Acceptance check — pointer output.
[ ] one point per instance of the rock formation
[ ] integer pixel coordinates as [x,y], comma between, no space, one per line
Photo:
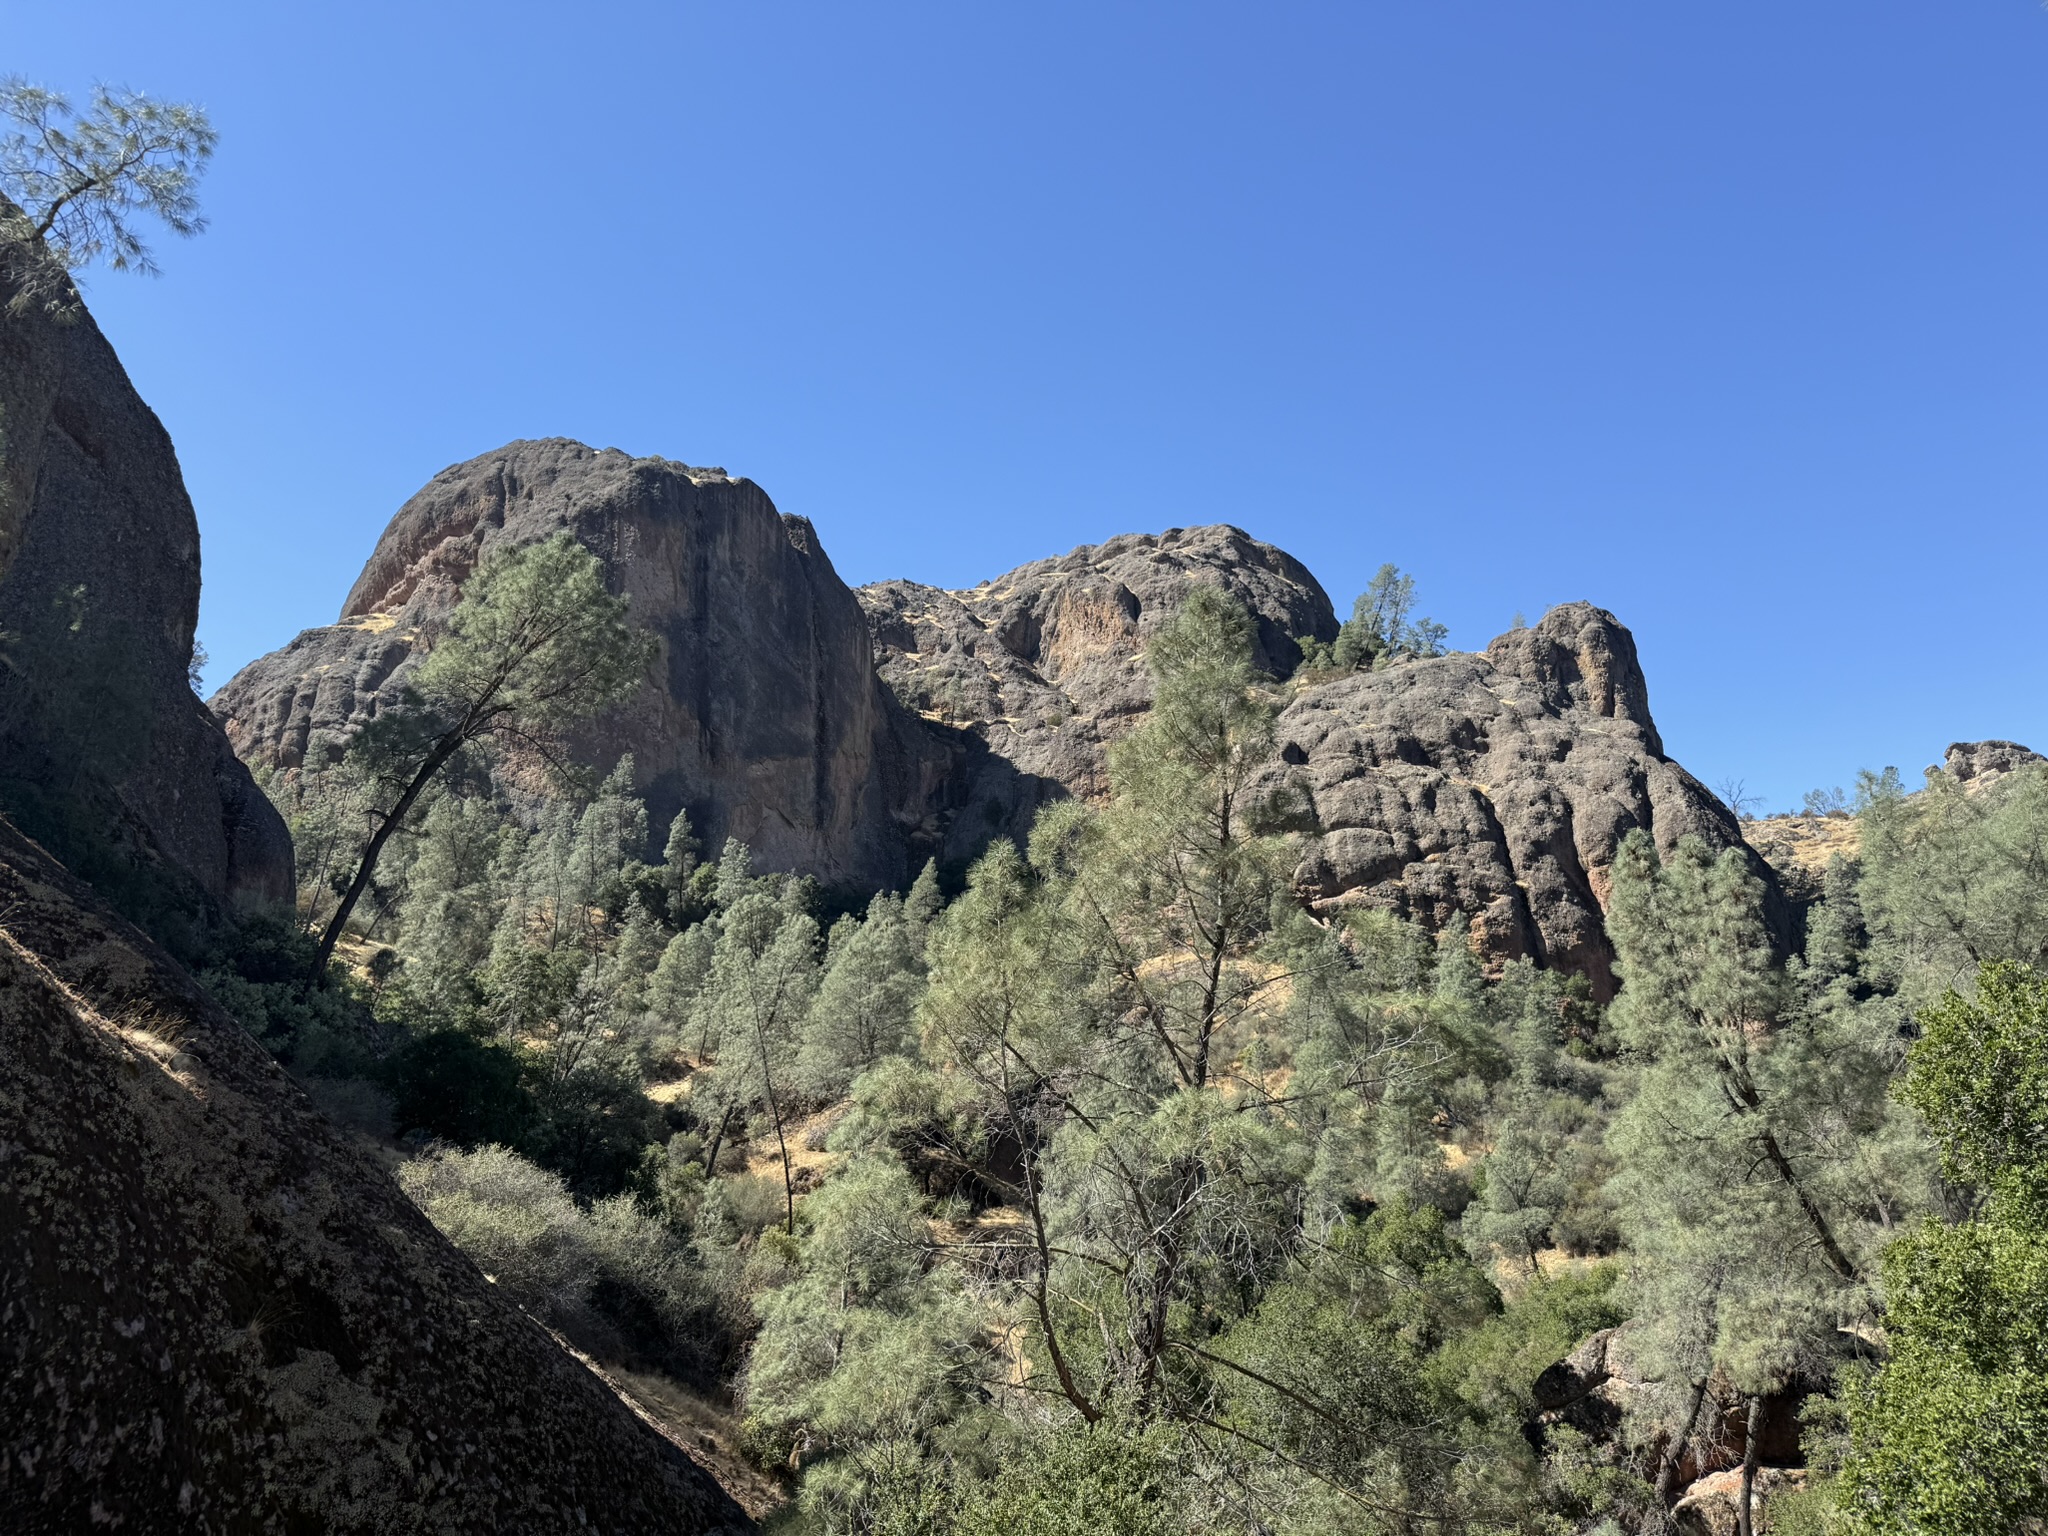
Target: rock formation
[1025,680]
[762,716]
[1493,789]
[1490,790]
[105,753]
[1977,765]
[216,1314]
[1487,790]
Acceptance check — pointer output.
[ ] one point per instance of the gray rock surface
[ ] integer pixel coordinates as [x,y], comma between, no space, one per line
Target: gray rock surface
[216,1314]
[1979,764]
[1493,789]
[762,715]
[1027,679]
[105,753]
[1486,790]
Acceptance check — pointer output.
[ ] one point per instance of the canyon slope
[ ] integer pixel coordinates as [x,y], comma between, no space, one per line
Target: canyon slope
[219,1313]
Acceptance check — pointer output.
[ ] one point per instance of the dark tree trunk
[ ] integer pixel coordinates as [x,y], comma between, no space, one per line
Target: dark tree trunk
[1745,1510]
[443,749]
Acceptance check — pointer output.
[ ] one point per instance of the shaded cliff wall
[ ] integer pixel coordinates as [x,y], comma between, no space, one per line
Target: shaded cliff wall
[105,753]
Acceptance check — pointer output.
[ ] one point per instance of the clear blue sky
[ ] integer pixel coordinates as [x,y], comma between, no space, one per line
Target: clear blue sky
[1730,318]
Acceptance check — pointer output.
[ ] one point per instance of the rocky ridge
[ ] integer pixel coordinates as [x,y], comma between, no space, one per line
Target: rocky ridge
[105,752]
[1489,790]
[1800,847]
[851,735]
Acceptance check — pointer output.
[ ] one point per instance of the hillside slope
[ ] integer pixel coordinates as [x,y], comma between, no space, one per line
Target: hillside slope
[215,1313]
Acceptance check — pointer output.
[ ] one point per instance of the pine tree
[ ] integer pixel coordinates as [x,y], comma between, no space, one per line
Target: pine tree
[867,1000]
[535,646]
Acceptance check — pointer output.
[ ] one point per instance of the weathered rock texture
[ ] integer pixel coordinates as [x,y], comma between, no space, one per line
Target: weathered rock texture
[1593,1389]
[762,716]
[216,1315]
[1980,764]
[1489,790]
[1028,678]
[1493,789]
[105,753]
[1485,790]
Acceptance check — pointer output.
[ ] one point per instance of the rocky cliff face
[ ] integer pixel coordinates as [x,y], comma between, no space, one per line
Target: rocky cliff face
[1487,790]
[1025,680]
[105,753]
[762,717]
[217,1315]
[1493,789]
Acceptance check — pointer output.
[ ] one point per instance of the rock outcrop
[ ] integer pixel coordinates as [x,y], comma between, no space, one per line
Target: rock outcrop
[762,716]
[1488,790]
[1493,789]
[1980,764]
[105,753]
[216,1314]
[1025,680]
[1484,790]
[1801,847]
[1592,1390]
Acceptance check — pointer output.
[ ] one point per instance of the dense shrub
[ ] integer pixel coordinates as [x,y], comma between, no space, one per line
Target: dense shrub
[618,1282]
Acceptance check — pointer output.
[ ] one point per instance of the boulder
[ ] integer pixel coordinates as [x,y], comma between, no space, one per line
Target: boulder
[762,715]
[1710,1506]
[217,1314]
[1980,764]
[106,754]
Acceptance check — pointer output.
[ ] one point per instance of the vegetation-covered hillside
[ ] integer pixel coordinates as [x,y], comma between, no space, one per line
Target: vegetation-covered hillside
[1120,1193]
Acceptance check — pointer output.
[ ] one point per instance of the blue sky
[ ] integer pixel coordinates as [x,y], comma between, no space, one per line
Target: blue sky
[1731,319]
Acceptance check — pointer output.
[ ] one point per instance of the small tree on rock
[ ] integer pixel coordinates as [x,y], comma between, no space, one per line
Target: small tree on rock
[74,189]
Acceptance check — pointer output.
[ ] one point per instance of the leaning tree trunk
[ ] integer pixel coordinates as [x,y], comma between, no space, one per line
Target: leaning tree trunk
[1745,1509]
[444,749]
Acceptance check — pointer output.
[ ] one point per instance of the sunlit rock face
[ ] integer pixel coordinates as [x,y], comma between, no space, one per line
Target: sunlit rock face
[853,734]
[1491,790]
[762,715]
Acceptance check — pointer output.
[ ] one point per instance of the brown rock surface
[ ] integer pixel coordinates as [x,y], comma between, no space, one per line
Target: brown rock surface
[1709,1507]
[762,716]
[1800,849]
[104,751]
[1028,678]
[1493,789]
[215,1314]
